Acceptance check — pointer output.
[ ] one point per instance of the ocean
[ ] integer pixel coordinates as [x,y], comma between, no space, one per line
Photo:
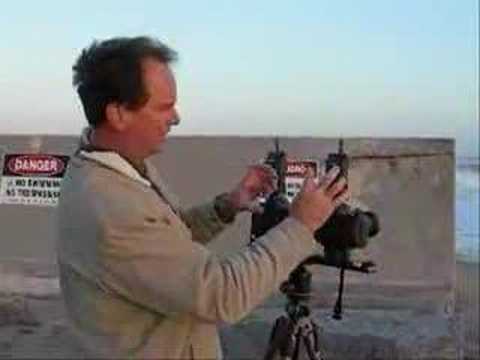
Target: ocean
[467,196]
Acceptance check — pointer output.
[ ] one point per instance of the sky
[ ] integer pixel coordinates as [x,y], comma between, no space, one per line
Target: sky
[372,68]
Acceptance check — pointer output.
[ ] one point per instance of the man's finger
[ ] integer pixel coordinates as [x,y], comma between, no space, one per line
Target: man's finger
[309,183]
[329,178]
[268,189]
[265,172]
[342,197]
[336,188]
[256,207]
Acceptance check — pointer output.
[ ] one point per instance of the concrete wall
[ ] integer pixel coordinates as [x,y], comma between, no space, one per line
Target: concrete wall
[408,182]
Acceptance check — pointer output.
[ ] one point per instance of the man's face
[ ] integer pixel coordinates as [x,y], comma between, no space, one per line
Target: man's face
[150,124]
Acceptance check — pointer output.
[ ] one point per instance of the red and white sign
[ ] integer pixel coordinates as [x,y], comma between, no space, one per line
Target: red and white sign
[297,168]
[295,175]
[28,165]
[32,179]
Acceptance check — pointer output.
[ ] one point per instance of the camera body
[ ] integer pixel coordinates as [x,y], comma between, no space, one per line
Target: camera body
[347,228]
[276,207]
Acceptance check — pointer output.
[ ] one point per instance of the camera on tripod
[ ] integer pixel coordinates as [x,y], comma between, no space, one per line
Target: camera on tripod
[347,229]
[295,335]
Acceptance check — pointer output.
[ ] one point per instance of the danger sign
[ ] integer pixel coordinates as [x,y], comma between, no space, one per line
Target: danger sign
[32,179]
[28,165]
[295,175]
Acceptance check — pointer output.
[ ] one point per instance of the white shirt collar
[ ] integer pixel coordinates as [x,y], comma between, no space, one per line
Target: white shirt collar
[113,160]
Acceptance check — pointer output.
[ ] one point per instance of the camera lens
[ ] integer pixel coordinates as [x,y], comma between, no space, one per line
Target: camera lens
[364,226]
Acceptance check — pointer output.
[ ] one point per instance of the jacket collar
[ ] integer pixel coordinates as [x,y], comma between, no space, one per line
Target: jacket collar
[109,159]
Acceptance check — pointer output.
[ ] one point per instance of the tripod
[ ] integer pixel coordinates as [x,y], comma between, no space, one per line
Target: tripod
[295,335]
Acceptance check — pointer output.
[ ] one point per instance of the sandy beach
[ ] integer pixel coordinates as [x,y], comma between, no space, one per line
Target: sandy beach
[33,322]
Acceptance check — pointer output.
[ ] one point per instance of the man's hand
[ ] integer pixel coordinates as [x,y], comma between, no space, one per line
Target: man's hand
[314,204]
[260,180]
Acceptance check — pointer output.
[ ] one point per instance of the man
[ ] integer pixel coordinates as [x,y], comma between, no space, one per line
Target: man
[135,274]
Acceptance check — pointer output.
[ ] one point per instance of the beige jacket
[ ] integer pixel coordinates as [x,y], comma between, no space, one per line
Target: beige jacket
[138,281]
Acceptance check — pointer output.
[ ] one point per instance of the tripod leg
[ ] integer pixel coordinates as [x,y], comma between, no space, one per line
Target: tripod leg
[312,343]
[337,312]
[309,337]
[319,352]
[282,340]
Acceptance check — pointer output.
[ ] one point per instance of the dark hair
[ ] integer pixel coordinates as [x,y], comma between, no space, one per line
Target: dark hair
[111,71]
